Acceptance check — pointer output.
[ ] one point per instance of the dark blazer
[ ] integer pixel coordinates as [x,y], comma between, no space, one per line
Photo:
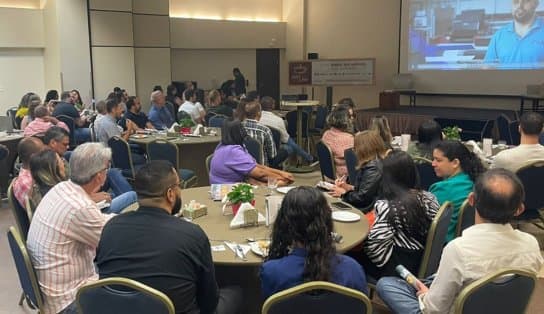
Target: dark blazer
[369,179]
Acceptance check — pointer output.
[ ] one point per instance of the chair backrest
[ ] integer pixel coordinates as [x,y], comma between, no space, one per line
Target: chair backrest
[121,155]
[351,164]
[93,132]
[163,150]
[427,176]
[318,297]
[276,135]
[69,121]
[208,163]
[436,237]
[503,127]
[465,219]
[255,149]
[11,114]
[121,295]
[25,270]
[504,291]
[19,212]
[217,121]
[291,118]
[326,161]
[321,117]
[531,175]
[514,132]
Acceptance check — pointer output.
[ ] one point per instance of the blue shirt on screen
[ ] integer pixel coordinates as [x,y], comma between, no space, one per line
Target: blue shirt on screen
[286,272]
[508,48]
[161,118]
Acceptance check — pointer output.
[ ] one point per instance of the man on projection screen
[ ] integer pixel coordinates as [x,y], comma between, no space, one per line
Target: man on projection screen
[520,43]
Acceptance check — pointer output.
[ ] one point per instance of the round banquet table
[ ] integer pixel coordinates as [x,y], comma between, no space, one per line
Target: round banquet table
[230,270]
[192,150]
[6,165]
[216,226]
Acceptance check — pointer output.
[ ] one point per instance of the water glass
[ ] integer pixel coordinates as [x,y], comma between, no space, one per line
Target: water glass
[272,184]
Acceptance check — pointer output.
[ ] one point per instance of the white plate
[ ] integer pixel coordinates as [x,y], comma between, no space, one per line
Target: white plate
[139,136]
[255,248]
[345,216]
[285,189]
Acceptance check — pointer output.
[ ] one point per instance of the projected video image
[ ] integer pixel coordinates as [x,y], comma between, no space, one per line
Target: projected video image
[475,34]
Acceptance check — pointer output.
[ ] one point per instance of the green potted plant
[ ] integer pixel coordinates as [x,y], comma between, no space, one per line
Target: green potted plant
[242,193]
[185,125]
[452,133]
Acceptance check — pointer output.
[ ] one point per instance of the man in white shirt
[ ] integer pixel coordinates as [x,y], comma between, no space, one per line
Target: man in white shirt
[272,121]
[66,228]
[189,107]
[530,127]
[488,246]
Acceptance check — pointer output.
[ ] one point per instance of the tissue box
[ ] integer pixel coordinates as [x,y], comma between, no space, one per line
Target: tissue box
[194,213]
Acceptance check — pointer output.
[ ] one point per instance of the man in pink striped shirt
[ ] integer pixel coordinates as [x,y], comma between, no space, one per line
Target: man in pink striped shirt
[66,228]
[42,122]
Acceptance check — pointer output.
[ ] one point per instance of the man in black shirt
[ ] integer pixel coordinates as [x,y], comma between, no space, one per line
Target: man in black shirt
[134,113]
[167,253]
[65,107]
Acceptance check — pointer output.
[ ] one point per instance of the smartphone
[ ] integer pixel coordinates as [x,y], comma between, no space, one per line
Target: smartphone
[341,206]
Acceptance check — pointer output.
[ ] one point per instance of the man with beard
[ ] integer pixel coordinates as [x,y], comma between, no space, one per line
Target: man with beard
[167,253]
[134,113]
[520,43]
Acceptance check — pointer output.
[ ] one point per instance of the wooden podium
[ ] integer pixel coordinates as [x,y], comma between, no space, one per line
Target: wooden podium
[389,100]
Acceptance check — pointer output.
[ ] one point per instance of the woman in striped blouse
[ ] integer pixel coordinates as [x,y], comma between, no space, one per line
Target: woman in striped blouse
[403,217]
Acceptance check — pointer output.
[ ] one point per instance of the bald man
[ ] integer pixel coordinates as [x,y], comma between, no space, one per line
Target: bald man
[159,115]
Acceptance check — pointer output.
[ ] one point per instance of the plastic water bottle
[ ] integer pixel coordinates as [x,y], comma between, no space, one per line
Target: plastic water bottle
[406,275]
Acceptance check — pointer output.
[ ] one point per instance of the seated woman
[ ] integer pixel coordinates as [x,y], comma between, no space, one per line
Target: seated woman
[47,169]
[302,248]
[31,113]
[403,216]
[459,168]
[42,122]
[338,138]
[231,163]
[370,149]
[429,134]
[380,124]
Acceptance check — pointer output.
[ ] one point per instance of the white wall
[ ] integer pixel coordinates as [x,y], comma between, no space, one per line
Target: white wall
[251,10]
[22,72]
[210,67]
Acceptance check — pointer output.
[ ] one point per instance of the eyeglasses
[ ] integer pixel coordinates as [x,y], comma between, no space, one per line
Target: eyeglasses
[178,184]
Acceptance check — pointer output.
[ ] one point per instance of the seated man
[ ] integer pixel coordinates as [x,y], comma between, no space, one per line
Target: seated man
[488,246]
[170,254]
[217,106]
[159,115]
[42,122]
[261,133]
[65,107]
[271,120]
[66,228]
[530,126]
[134,113]
[22,185]
[189,106]
[107,128]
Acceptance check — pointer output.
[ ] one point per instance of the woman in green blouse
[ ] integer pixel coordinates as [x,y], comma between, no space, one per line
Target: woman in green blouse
[459,169]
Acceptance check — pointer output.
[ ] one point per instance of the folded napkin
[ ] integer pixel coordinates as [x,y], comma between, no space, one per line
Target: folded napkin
[238,220]
[172,129]
[198,129]
[245,248]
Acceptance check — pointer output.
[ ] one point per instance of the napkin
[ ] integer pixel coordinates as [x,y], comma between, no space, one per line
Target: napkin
[172,129]
[272,205]
[238,220]
[477,150]
[198,129]
[232,246]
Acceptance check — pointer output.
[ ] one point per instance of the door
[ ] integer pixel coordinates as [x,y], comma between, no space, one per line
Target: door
[268,73]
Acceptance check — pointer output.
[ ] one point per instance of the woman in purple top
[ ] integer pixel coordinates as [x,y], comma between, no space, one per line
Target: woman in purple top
[231,163]
[302,247]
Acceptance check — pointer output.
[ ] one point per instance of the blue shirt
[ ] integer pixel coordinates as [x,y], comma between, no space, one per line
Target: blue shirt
[161,118]
[508,48]
[286,272]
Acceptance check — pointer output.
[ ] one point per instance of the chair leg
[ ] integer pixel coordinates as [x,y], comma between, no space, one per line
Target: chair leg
[21,299]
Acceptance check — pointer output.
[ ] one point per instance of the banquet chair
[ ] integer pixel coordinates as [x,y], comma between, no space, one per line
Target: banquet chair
[320,120]
[465,219]
[351,164]
[436,237]
[505,291]
[208,164]
[11,113]
[19,212]
[427,176]
[291,118]
[317,297]
[160,149]
[122,157]
[217,121]
[25,270]
[121,295]
[504,128]
[531,175]
[326,161]
[276,136]
[255,149]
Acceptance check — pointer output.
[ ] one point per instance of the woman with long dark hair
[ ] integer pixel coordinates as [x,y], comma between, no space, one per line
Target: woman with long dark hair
[47,169]
[76,99]
[302,248]
[403,217]
[459,168]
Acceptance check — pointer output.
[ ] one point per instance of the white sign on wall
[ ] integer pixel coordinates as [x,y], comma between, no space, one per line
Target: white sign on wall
[343,72]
